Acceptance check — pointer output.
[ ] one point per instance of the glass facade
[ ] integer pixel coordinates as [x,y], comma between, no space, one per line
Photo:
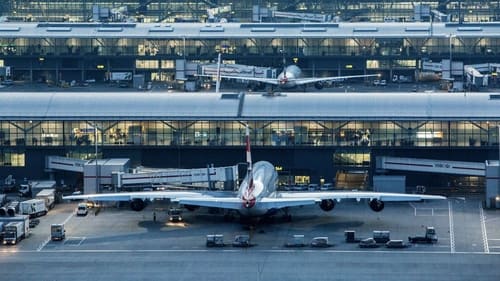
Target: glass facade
[187,10]
[79,59]
[352,138]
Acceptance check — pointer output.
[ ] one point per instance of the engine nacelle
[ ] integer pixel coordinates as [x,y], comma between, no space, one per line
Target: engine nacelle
[137,204]
[3,211]
[319,85]
[327,205]
[11,211]
[191,208]
[376,205]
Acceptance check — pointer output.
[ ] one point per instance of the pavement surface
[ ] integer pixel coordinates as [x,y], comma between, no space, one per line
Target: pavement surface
[120,244]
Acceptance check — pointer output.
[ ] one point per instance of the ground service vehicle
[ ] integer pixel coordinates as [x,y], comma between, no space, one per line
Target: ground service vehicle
[430,236]
[82,209]
[14,232]
[320,242]
[381,236]
[33,208]
[350,236]
[241,241]
[31,188]
[48,195]
[368,243]
[297,240]
[396,244]
[175,215]
[57,232]
[215,240]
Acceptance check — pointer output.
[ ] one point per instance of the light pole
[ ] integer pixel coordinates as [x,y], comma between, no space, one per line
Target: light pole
[450,37]
[95,159]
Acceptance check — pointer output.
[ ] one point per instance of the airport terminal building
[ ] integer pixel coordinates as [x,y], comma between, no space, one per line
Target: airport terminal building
[309,137]
[52,52]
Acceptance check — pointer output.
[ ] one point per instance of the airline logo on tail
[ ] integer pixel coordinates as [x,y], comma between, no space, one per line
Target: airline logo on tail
[248,197]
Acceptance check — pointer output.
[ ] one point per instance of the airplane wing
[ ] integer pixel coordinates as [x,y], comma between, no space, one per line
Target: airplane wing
[218,199]
[358,195]
[302,81]
[272,81]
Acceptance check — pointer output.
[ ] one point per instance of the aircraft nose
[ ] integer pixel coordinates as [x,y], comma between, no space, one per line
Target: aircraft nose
[248,203]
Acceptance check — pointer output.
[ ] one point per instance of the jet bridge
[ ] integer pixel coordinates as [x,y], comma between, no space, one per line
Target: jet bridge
[431,166]
[113,172]
[176,176]
[65,164]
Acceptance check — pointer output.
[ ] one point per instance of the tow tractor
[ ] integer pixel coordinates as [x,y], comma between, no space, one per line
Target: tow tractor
[175,215]
[430,236]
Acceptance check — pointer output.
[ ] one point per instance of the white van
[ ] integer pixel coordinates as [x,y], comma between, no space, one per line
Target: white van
[82,209]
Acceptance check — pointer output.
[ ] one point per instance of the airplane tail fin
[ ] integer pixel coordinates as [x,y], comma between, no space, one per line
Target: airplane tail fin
[249,154]
[217,83]
[284,66]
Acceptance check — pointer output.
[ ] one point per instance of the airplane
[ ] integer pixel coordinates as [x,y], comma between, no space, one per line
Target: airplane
[289,78]
[257,195]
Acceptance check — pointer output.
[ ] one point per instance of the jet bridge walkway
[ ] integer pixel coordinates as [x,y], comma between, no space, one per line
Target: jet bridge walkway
[114,171]
[431,166]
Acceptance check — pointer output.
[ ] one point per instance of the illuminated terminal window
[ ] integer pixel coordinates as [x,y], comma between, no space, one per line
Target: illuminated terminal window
[351,158]
[12,158]
[146,64]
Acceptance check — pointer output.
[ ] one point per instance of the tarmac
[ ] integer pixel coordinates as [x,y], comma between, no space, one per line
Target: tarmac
[121,244]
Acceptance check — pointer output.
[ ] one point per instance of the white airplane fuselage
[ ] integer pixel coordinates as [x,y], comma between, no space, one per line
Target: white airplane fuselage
[264,184]
[288,75]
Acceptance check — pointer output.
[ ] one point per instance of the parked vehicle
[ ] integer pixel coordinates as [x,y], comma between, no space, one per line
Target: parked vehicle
[82,209]
[31,188]
[14,232]
[320,242]
[242,241]
[33,208]
[429,237]
[297,240]
[57,232]
[350,236]
[215,240]
[175,215]
[396,244]
[381,236]
[49,196]
[368,243]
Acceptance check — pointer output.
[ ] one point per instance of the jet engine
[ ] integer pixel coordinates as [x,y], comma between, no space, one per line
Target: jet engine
[137,204]
[3,211]
[319,85]
[191,208]
[376,205]
[327,205]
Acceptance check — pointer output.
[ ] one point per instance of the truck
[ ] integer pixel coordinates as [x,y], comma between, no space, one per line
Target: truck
[57,232]
[31,188]
[215,240]
[430,236]
[175,215]
[33,207]
[14,232]
[49,196]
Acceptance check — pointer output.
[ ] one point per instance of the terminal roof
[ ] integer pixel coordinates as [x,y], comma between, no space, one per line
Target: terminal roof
[247,30]
[211,106]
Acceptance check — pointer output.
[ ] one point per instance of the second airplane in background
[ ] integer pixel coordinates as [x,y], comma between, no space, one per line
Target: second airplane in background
[292,77]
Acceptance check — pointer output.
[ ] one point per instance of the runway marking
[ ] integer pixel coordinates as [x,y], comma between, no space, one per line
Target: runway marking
[433,213]
[72,241]
[483,228]
[452,233]
[247,250]
[44,243]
